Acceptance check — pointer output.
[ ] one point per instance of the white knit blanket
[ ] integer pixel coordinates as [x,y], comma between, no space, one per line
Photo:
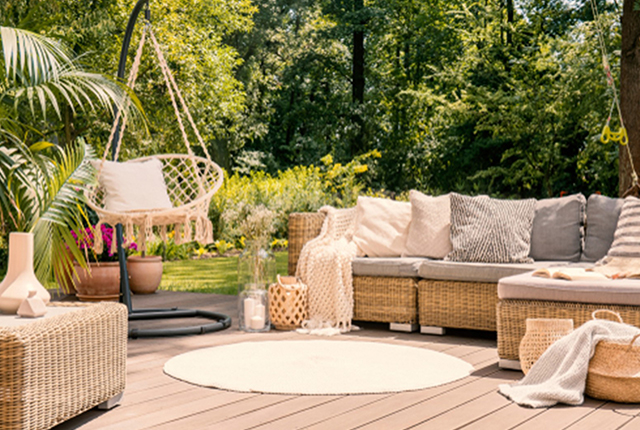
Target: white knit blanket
[560,374]
[325,267]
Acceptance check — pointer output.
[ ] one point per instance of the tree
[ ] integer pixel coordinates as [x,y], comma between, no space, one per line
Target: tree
[630,92]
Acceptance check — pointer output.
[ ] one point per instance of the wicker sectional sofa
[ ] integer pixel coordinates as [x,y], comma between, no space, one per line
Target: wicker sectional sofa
[431,294]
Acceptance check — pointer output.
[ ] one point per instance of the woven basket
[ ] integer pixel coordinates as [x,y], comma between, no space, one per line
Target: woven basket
[614,370]
[541,334]
[287,303]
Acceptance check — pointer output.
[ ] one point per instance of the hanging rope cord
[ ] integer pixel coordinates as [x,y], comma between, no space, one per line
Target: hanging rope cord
[173,90]
[191,180]
[620,136]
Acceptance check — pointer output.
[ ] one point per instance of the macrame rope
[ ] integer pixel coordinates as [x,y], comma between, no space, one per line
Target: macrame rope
[131,81]
[172,83]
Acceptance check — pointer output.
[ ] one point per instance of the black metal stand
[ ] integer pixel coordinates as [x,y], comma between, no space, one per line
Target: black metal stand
[222,321]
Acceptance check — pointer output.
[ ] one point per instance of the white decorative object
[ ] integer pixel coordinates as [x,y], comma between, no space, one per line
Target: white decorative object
[133,186]
[257,322]
[253,314]
[20,277]
[429,231]
[249,307]
[382,227]
[32,306]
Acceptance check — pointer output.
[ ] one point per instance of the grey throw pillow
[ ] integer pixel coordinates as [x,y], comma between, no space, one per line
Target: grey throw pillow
[490,230]
[602,218]
[556,233]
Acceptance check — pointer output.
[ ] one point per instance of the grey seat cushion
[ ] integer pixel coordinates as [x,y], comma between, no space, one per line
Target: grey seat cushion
[557,225]
[396,267]
[527,287]
[477,272]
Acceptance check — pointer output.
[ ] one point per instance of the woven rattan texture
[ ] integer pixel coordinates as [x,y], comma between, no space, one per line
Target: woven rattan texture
[512,315]
[287,306]
[541,333]
[613,372]
[56,368]
[302,228]
[470,305]
[385,299]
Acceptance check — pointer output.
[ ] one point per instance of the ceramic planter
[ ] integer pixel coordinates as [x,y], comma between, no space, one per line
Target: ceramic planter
[145,273]
[100,283]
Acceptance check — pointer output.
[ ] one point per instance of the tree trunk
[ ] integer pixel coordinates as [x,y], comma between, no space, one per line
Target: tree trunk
[630,92]
[510,18]
[357,79]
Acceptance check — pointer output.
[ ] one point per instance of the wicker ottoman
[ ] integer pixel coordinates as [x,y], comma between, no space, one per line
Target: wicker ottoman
[56,367]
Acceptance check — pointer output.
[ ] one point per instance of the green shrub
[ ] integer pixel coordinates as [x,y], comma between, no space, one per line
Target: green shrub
[299,189]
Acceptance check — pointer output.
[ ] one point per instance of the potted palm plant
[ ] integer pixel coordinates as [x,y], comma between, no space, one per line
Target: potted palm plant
[42,183]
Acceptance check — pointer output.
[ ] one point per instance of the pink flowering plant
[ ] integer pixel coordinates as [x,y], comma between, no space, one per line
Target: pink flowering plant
[85,240]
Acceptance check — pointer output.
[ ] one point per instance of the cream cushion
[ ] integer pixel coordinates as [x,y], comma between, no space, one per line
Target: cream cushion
[382,226]
[135,186]
[429,231]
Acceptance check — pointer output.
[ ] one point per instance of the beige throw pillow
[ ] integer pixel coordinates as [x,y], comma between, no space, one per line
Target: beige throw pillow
[429,231]
[133,186]
[382,226]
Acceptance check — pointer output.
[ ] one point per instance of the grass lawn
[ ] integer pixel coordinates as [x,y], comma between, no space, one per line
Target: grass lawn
[213,275]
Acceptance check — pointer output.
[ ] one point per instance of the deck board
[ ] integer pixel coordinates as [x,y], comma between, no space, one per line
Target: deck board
[153,400]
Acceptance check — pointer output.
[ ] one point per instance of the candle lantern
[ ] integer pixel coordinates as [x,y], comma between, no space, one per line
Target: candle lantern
[256,271]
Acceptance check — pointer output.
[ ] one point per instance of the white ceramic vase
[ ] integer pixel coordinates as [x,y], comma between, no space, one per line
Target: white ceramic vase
[20,278]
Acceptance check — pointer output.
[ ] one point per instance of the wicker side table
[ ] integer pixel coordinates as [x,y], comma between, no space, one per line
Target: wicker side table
[54,368]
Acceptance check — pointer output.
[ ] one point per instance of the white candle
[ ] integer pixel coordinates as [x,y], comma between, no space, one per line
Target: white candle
[249,310]
[257,322]
[259,310]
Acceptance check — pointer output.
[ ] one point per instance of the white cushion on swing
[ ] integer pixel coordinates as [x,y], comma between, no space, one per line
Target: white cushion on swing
[134,186]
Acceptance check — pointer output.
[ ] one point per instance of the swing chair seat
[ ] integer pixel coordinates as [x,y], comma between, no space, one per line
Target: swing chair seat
[190,181]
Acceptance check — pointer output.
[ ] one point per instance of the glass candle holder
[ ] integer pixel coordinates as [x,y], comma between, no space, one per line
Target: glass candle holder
[256,271]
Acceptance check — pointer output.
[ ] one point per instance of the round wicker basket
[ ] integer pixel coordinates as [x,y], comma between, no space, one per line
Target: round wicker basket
[614,370]
[541,334]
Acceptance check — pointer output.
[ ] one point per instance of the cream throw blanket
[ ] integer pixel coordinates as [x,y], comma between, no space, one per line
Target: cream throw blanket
[560,375]
[325,267]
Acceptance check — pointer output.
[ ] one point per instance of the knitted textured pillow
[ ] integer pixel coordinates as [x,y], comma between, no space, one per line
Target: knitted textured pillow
[626,240]
[429,229]
[489,230]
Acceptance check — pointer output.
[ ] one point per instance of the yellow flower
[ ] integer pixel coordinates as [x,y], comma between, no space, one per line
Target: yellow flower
[361,168]
[327,159]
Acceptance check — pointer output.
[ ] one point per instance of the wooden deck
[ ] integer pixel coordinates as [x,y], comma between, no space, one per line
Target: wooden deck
[154,400]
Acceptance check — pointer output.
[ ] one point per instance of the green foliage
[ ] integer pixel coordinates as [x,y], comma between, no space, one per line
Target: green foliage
[170,251]
[299,189]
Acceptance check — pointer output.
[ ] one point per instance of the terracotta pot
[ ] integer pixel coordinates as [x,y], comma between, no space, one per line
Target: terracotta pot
[145,273]
[101,284]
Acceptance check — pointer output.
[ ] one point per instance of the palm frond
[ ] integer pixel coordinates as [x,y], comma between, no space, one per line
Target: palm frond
[28,57]
[66,176]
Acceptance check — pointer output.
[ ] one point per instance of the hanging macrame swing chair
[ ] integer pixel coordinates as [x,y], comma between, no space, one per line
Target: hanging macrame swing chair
[190,181]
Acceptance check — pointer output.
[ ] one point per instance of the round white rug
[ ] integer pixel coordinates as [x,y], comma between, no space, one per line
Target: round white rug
[316,367]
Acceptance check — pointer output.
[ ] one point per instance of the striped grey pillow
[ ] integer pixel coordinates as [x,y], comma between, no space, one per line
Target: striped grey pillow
[489,230]
[626,240]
